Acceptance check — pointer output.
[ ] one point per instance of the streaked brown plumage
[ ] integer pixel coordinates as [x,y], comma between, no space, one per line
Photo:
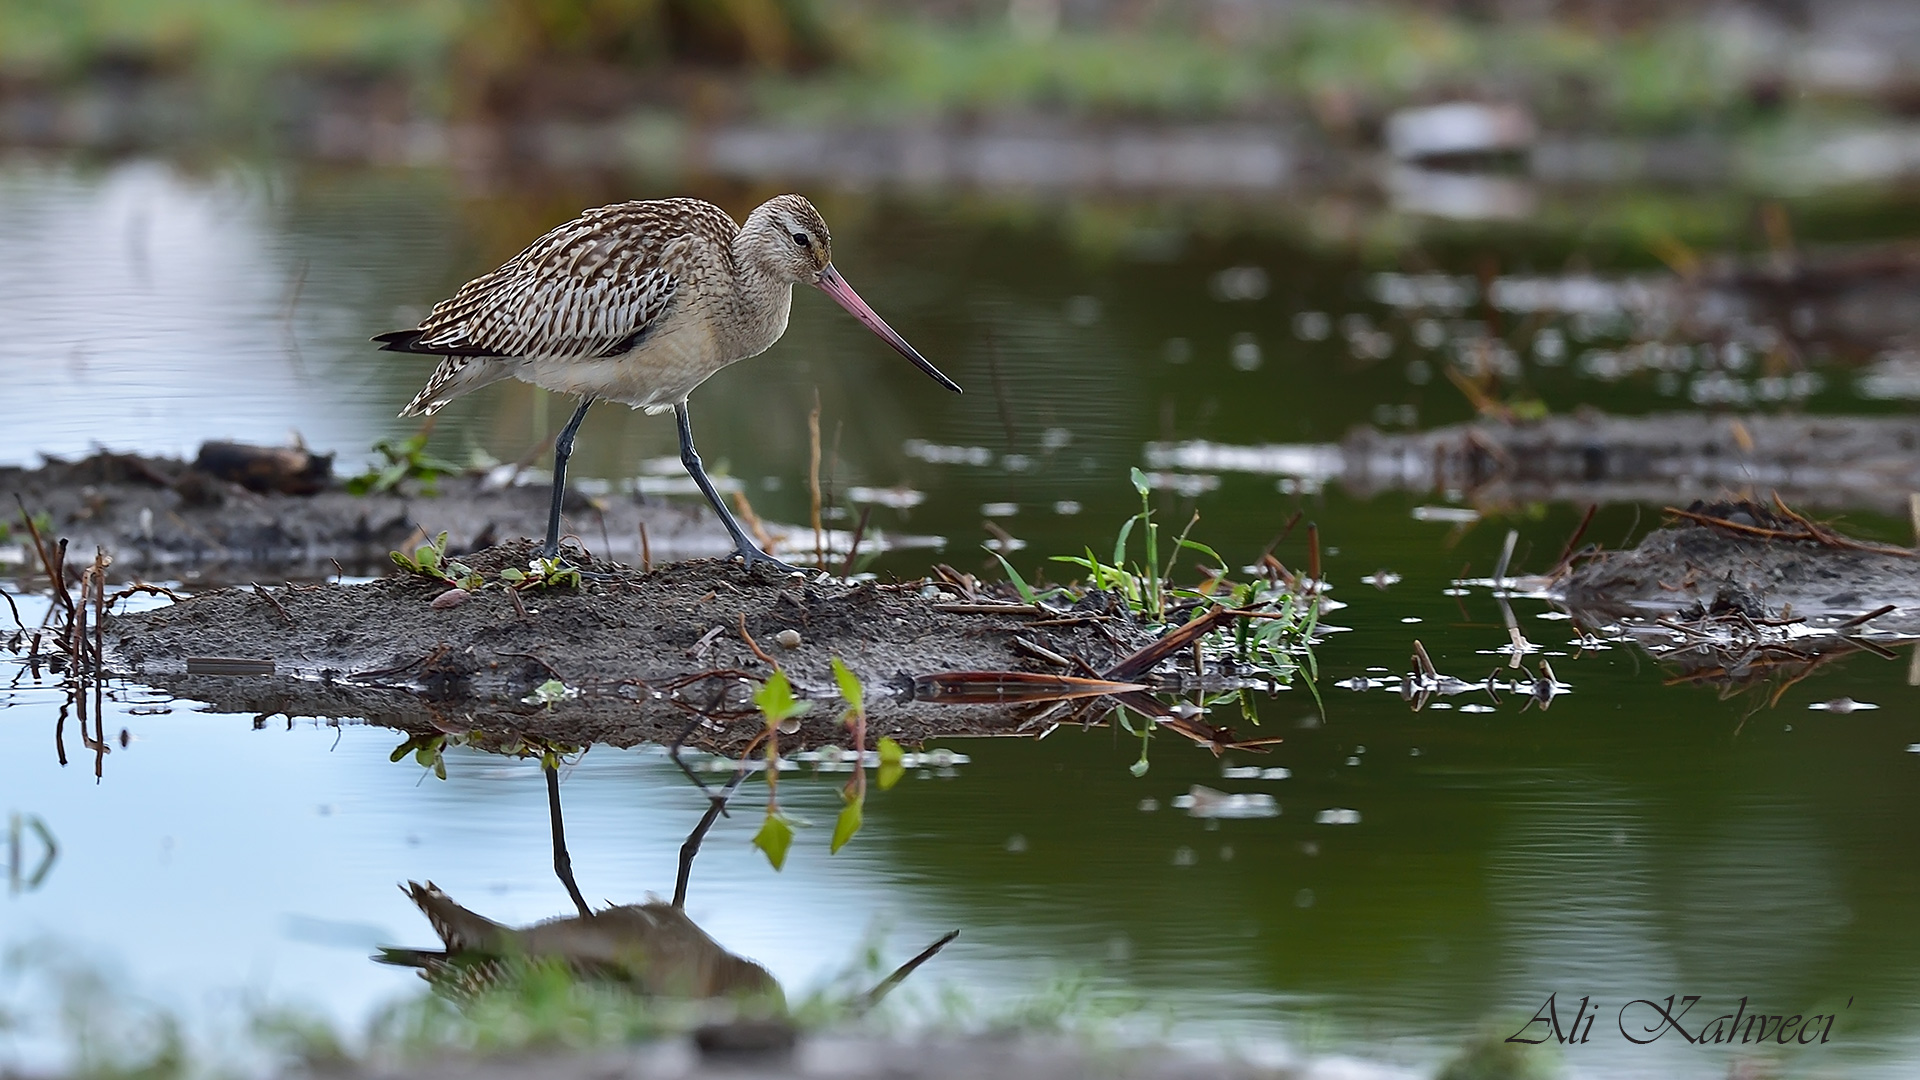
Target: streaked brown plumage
[638,302]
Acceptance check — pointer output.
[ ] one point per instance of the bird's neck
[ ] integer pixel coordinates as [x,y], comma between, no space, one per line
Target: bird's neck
[763,295]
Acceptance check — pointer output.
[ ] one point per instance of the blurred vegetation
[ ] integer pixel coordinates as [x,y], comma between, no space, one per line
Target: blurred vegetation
[63,40]
[1341,65]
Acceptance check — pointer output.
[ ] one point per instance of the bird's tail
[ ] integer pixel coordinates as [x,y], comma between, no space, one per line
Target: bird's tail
[458,928]
[456,375]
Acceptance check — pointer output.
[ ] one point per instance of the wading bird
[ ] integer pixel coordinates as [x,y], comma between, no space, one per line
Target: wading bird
[637,302]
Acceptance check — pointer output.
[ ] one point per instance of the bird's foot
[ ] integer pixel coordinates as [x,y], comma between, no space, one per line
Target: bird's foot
[753,558]
[561,563]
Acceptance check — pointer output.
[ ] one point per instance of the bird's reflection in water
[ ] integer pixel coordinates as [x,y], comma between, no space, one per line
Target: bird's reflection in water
[652,949]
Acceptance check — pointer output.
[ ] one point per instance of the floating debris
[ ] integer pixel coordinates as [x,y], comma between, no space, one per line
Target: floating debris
[1254,772]
[1205,802]
[936,454]
[897,498]
[1842,705]
[1338,815]
[1461,515]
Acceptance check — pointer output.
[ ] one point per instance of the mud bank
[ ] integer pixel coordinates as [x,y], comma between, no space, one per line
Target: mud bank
[1762,563]
[157,514]
[1587,457]
[1868,462]
[644,657]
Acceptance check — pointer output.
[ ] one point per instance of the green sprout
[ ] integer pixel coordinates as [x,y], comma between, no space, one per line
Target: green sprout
[404,461]
[551,693]
[777,704]
[428,753]
[854,795]
[1146,589]
[426,559]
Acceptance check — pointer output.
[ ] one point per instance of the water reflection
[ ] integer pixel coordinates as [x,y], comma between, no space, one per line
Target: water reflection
[652,948]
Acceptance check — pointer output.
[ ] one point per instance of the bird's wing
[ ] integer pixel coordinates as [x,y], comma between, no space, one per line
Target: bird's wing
[590,288]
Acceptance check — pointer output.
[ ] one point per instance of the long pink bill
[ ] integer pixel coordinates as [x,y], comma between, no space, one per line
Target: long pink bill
[836,286]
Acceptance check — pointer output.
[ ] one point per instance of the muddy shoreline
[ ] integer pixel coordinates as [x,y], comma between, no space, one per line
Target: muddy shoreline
[644,656]
[163,516]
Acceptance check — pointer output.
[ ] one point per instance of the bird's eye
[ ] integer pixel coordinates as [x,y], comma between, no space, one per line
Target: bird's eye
[800,239]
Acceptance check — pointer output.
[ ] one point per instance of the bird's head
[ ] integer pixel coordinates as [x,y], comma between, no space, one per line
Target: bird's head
[789,235]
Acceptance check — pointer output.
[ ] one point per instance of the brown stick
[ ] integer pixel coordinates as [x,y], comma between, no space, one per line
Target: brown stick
[1815,534]
[813,477]
[1566,553]
[268,597]
[754,645]
[859,532]
[745,509]
[1313,554]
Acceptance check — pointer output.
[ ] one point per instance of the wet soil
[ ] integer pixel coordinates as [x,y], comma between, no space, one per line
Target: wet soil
[648,656]
[163,515]
[1694,571]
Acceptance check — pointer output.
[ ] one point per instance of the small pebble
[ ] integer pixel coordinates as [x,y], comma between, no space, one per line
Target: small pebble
[1841,705]
[452,598]
[788,639]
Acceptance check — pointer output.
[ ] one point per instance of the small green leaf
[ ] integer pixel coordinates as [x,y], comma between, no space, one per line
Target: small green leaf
[512,576]
[1120,542]
[549,693]
[1019,583]
[400,751]
[851,689]
[440,767]
[776,701]
[1202,549]
[423,757]
[891,763]
[847,824]
[402,560]
[1138,768]
[1140,483]
[427,558]
[774,838]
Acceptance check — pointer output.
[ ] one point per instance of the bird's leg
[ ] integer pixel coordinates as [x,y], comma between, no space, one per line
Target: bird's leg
[562,862]
[562,450]
[716,806]
[743,544]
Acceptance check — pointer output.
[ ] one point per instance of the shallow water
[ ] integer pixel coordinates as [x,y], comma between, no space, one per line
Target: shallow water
[1635,840]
